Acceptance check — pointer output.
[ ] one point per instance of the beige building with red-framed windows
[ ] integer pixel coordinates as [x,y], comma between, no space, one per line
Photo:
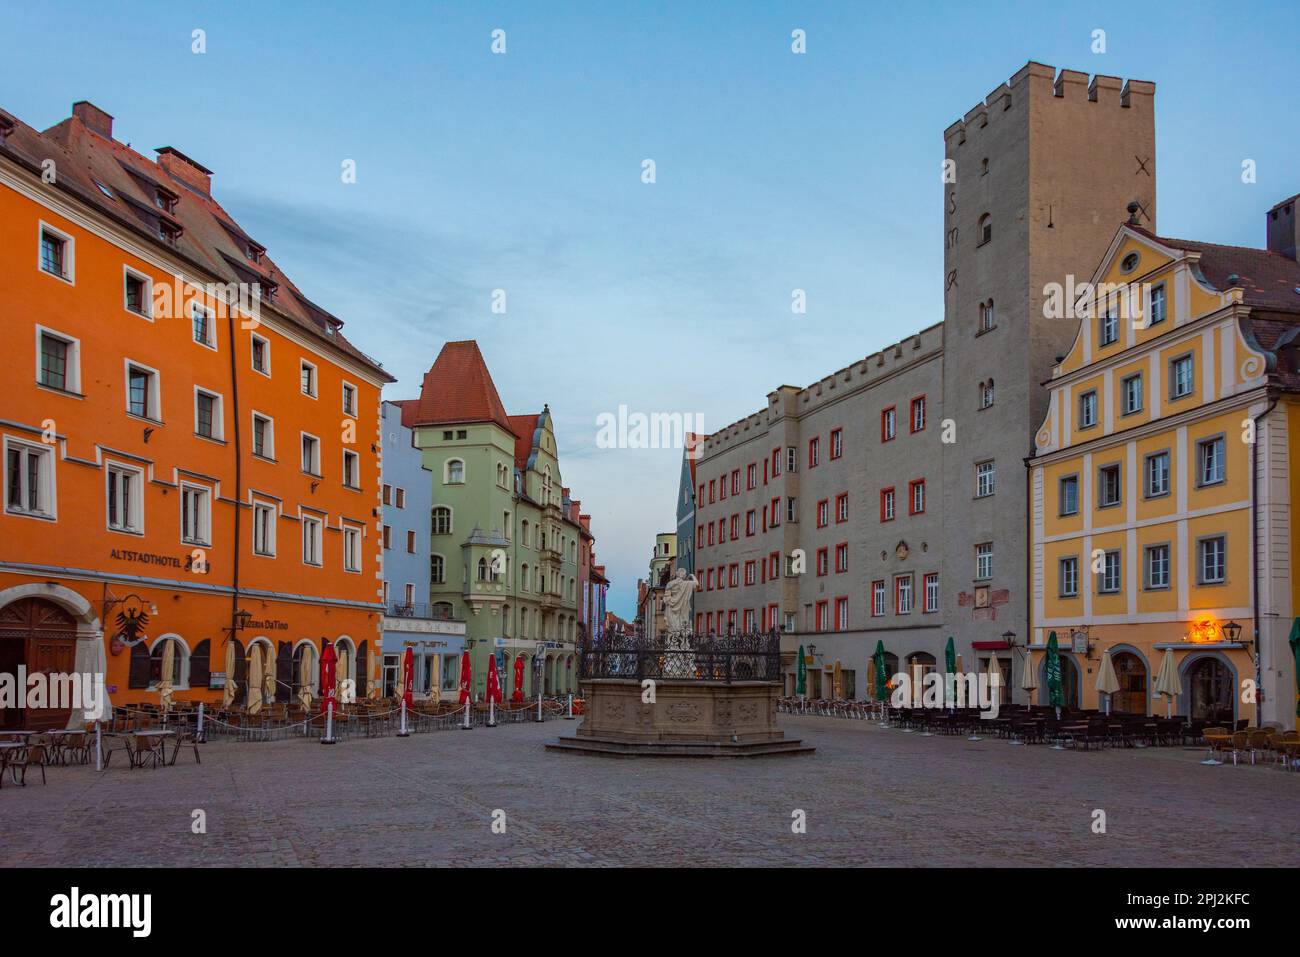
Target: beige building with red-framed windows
[191,445]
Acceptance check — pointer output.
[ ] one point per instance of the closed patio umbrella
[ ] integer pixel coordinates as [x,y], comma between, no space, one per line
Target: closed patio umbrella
[1167,682]
[165,685]
[801,675]
[328,688]
[408,678]
[994,678]
[466,676]
[304,678]
[268,677]
[435,679]
[343,669]
[1029,680]
[228,693]
[97,666]
[882,679]
[1055,692]
[1107,682]
[950,671]
[519,679]
[255,679]
[1294,641]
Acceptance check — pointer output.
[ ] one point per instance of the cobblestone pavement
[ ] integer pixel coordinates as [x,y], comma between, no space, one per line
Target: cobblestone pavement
[871,796]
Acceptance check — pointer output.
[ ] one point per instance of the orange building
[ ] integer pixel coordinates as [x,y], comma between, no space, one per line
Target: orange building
[191,446]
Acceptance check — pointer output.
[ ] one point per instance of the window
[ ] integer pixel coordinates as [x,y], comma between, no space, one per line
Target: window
[201,321]
[985,479]
[733,576]
[984,561]
[1069,493]
[1132,387]
[349,399]
[1159,305]
[58,361]
[751,522]
[842,557]
[877,599]
[776,470]
[1181,372]
[29,479]
[814,452]
[1157,566]
[352,549]
[1069,576]
[713,490]
[142,392]
[841,614]
[263,529]
[985,232]
[1108,485]
[791,509]
[1109,328]
[823,562]
[307,378]
[774,514]
[735,519]
[437,569]
[837,443]
[263,436]
[1212,556]
[196,515]
[735,480]
[125,499]
[208,420]
[931,592]
[823,513]
[918,413]
[987,316]
[1157,474]
[386,536]
[351,469]
[1210,465]
[410,541]
[1108,583]
[311,543]
[986,394]
[310,454]
[823,616]
[442,521]
[751,572]
[137,292]
[842,507]
[751,479]
[1088,410]
[916,496]
[903,594]
[56,253]
[887,505]
[888,424]
[261,350]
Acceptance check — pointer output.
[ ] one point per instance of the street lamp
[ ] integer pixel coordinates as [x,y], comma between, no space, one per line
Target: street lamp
[1231,632]
[1009,637]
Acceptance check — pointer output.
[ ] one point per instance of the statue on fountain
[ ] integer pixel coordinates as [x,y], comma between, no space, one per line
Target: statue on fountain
[677,616]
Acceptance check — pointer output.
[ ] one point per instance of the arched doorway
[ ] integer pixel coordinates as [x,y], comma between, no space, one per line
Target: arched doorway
[305,671]
[1132,696]
[43,637]
[1210,683]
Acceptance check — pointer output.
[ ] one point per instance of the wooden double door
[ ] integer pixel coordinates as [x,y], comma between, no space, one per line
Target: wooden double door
[43,637]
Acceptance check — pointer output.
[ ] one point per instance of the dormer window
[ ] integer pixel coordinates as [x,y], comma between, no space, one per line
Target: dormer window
[169,233]
[165,199]
[255,252]
[102,188]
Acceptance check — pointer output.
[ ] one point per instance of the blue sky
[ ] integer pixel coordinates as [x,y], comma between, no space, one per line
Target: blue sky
[523,172]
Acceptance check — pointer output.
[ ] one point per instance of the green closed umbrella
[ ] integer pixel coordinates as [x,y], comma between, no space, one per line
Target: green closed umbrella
[881,678]
[801,675]
[950,667]
[1055,693]
[1295,650]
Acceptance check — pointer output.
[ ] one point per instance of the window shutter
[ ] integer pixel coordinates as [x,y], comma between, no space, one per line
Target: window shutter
[138,676]
[200,666]
[283,672]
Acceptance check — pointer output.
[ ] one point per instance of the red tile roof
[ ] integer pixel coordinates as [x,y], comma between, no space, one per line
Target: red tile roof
[1268,279]
[525,428]
[210,240]
[457,389]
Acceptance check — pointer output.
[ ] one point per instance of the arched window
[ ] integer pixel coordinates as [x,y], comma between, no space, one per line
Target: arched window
[482,569]
[1132,697]
[524,534]
[180,654]
[442,520]
[524,581]
[1210,683]
[437,569]
[985,232]
[987,316]
[443,610]
[986,394]
[455,472]
[201,664]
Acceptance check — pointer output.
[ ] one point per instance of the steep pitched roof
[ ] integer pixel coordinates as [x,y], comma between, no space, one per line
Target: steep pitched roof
[1268,279]
[121,184]
[525,429]
[457,389]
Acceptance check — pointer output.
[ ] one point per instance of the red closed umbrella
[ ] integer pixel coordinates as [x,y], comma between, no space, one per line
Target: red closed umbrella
[493,682]
[519,679]
[466,673]
[408,678]
[329,693]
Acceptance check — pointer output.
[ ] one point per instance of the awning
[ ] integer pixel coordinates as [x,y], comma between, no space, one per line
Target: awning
[990,645]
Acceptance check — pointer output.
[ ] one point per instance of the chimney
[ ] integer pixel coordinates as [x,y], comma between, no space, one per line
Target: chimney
[95,119]
[185,169]
[1282,231]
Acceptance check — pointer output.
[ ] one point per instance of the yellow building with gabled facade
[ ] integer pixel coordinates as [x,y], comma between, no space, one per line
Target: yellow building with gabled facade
[1161,483]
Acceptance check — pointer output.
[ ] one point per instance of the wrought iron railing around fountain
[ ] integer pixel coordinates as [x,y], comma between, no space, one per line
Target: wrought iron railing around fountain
[747,656]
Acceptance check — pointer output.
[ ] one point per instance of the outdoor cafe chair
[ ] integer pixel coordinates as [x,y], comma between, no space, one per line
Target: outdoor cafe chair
[35,755]
[1240,744]
[145,748]
[185,738]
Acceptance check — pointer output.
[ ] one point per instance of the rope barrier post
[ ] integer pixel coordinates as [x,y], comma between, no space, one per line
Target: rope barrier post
[492,713]
[569,716]
[465,726]
[99,749]
[198,731]
[329,723]
[403,733]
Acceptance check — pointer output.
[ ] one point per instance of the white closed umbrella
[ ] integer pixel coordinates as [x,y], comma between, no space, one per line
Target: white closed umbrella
[254,679]
[341,669]
[97,666]
[268,677]
[1107,682]
[228,693]
[1029,680]
[305,671]
[1167,682]
[165,685]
